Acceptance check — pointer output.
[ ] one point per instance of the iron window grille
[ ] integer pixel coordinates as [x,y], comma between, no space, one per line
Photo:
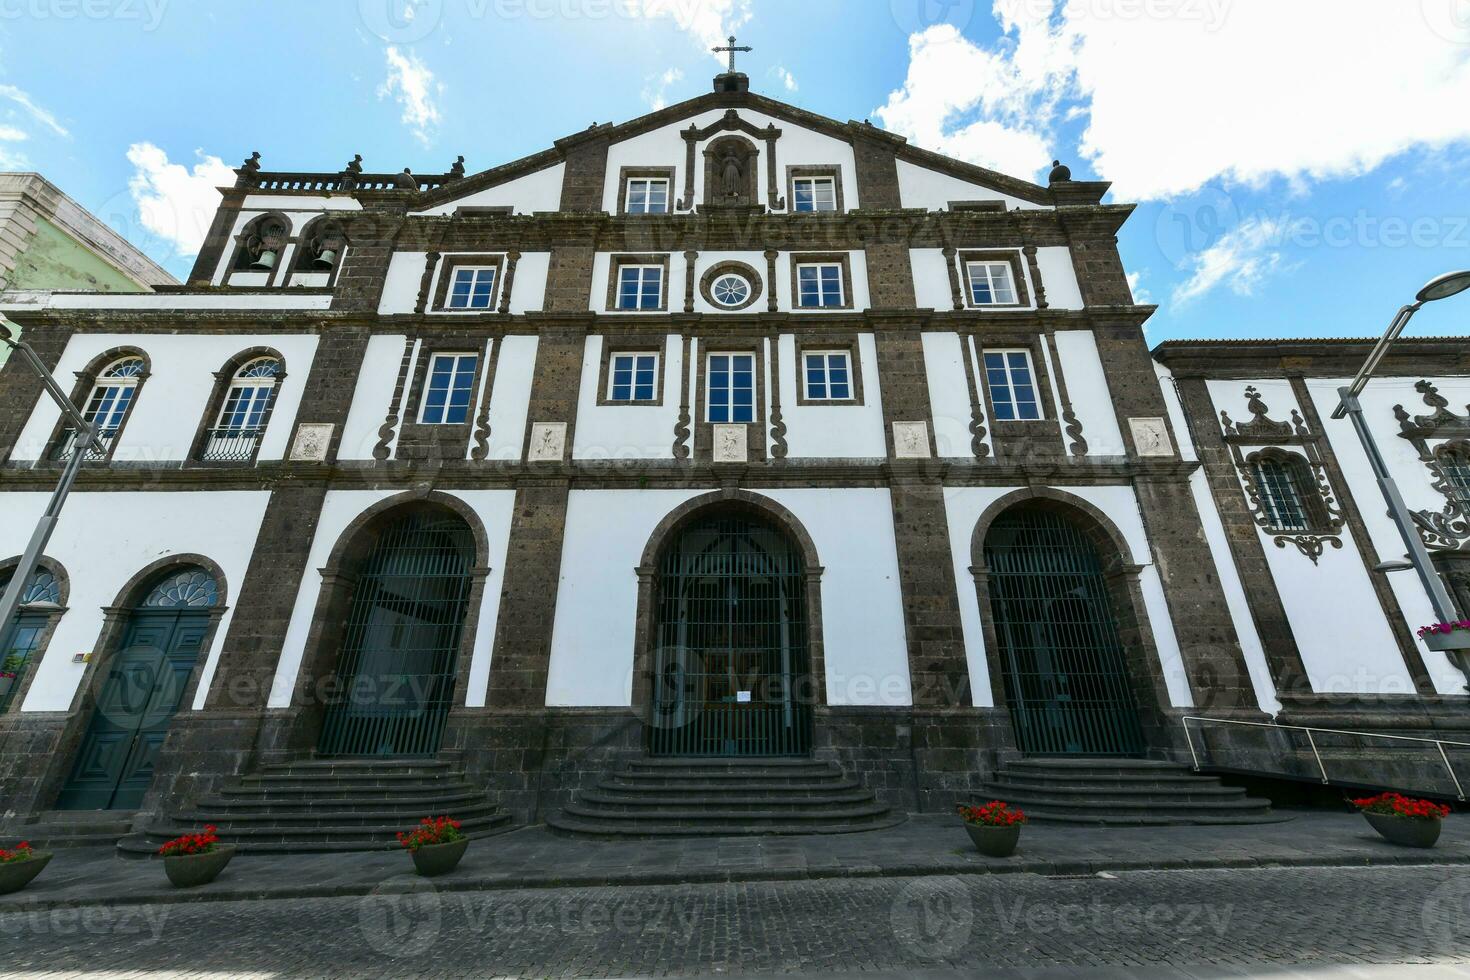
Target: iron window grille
[731,388]
[448,389]
[1455,465]
[640,287]
[991,283]
[1279,485]
[1012,385]
[827,375]
[633,377]
[819,285]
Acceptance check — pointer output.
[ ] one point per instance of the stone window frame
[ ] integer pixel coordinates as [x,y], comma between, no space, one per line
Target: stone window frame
[841,259]
[843,343]
[1010,437]
[224,380]
[625,174]
[429,358]
[1012,258]
[1303,482]
[1037,379]
[610,349]
[728,343]
[439,440]
[81,396]
[833,171]
[727,267]
[445,277]
[620,261]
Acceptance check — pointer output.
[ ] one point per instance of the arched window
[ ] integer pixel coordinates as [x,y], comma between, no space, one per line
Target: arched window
[1454,463]
[261,244]
[20,640]
[1282,492]
[107,405]
[244,411]
[320,251]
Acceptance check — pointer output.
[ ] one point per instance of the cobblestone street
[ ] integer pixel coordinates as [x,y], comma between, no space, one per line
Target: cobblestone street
[1225,919]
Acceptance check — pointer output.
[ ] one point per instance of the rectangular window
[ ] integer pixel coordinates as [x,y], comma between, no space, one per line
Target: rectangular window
[640,287]
[471,288]
[1280,495]
[731,388]
[647,195]
[991,283]
[633,378]
[448,388]
[1009,377]
[814,194]
[827,375]
[819,285]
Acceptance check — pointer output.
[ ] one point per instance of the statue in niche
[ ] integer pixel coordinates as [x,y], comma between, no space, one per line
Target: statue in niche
[732,178]
[729,173]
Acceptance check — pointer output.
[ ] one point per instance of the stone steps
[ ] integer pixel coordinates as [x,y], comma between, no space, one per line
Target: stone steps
[330,805]
[723,797]
[1123,792]
[70,828]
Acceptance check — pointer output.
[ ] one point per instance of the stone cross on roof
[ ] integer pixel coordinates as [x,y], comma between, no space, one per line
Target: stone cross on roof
[732,49]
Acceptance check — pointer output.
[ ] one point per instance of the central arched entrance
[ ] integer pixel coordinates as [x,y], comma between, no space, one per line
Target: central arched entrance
[731,661]
[1065,674]
[400,642]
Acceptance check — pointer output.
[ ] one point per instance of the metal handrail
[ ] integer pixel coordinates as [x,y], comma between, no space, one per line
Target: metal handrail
[1438,743]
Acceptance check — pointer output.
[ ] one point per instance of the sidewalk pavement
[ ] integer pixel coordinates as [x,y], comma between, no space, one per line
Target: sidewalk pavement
[927,844]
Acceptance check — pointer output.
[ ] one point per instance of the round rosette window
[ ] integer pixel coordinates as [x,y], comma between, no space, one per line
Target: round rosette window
[730,289]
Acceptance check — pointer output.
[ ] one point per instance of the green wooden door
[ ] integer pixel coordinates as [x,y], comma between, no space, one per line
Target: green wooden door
[144,685]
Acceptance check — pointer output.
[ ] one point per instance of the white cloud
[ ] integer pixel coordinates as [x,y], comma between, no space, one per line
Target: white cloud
[412,85]
[175,203]
[655,93]
[1136,287]
[1177,93]
[787,80]
[37,113]
[1244,257]
[707,22]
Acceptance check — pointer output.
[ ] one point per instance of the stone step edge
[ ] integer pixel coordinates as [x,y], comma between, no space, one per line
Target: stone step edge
[384,832]
[1245,803]
[135,847]
[430,802]
[609,799]
[676,815]
[570,824]
[733,787]
[1065,789]
[344,817]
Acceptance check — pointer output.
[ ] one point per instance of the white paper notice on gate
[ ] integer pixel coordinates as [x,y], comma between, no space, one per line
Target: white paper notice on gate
[742,697]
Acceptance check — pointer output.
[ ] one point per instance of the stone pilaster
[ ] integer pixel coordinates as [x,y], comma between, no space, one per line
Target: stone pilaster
[20,386]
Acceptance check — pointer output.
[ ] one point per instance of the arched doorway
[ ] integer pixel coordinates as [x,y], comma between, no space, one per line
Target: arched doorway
[731,667]
[401,638]
[141,691]
[1064,669]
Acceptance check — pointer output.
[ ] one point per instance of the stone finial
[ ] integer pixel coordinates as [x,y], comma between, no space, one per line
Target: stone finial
[354,166]
[405,181]
[456,169]
[245,176]
[1059,173]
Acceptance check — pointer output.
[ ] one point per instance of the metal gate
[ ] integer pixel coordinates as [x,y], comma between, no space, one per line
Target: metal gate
[1066,681]
[731,676]
[400,644]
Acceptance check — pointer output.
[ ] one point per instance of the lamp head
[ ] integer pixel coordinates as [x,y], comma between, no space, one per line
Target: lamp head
[1442,287]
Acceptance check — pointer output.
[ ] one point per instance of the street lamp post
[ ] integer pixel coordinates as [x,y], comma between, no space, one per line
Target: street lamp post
[86,440]
[1441,288]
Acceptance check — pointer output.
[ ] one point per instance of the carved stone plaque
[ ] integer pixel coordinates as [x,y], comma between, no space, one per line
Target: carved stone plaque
[1151,437]
[911,440]
[730,443]
[311,442]
[548,442]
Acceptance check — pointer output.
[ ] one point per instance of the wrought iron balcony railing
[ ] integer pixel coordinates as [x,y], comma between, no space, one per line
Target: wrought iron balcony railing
[68,441]
[231,445]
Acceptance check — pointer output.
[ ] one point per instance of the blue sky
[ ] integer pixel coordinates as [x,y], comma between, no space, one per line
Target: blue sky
[1299,165]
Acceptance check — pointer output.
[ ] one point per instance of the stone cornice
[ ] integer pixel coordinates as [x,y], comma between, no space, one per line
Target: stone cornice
[1246,359]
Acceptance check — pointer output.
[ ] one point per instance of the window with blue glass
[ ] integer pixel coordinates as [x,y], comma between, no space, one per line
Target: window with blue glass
[828,375]
[21,640]
[814,194]
[633,377]
[448,388]
[640,287]
[472,288]
[1012,385]
[647,195]
[731,395]
[819,284]
[991,284]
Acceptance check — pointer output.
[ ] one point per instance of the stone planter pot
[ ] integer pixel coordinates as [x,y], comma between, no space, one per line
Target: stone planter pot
[996,842]
[17,874]
[192,870]
[438,859]
[1456,640]
[1408,831]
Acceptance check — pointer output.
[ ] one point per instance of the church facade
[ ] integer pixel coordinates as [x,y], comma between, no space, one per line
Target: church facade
[731,431]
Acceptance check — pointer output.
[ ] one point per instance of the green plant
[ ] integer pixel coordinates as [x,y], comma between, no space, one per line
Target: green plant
[431,830]
[20,852]
[993,814]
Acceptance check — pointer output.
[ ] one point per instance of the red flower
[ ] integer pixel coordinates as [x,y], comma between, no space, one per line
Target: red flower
[21,852]
[201,843]
[1394,804]
[435,830]
[993,814]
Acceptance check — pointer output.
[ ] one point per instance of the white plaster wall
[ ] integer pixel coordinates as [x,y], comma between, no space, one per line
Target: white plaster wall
[339,509]
[127,302]
[1059,277]
[949,393]
[963,507]
[370,399]
[1413,480]
[510,399]
[1087,386]
[538,191]
[627,431]
[401,282]
[607,530]
[664,147]
[920,187]
[1175,409]
[785,302]
[931,282]
[406,271]
[838,430]
[104,539]
[707,260]
[167,411]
